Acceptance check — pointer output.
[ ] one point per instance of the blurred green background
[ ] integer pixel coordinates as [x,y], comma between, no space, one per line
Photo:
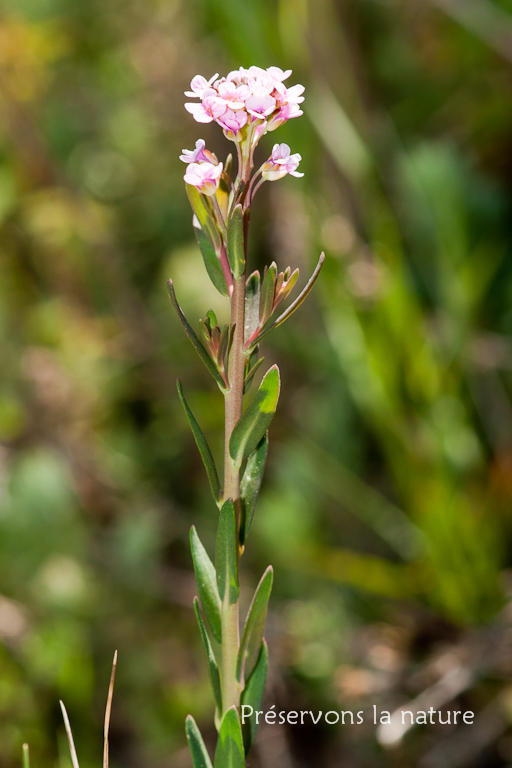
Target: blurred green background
[386,504]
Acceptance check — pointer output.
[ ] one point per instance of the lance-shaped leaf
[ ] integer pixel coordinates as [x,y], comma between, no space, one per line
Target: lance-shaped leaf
[268,288]
[254,627]
[252,304]
[204,448]
[213,668]
[251,370]
[204,216]
[230,748]
[250,486]
[271,324]
[200,757]
[206,584]
[252,696]
[256,419]
[201,351]
[226,553]
[211,260]
[236,251]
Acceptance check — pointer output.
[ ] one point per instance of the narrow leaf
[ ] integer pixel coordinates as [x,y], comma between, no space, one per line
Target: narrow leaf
[226,553]
[250,486]
[236,250]
[213,668]
[204,448]
[72,750]
[108,709]
[256,419]
[268,288]
[230,749]
[254,627]
[252,696]
[206,584]
[200,757]
[201,351]
[250,374]
[293,306]
[211,261]
[26,756]
[203,214]
[252,304]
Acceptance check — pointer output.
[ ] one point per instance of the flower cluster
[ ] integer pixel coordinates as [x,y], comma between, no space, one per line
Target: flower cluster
[246,104]
[246,97]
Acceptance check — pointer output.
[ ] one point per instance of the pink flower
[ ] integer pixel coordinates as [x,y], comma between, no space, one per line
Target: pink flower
[199,85]
[204,176]
[260,106]
[199,154]
[286,112]
[281,163]
[278,74]
[232,121]
[210,109]
[234,96]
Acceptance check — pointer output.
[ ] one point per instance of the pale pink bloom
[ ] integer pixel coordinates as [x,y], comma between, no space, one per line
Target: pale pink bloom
[204,176]
[278,74]
[281,163]
[263,85]
[234,96]
[260,106]
[294,94]
[199,154]
[287,112]
[233,121]
[238,75]
[210,109]
[199,85]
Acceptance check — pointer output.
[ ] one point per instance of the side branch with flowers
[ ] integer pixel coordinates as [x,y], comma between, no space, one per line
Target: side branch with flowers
[246,104]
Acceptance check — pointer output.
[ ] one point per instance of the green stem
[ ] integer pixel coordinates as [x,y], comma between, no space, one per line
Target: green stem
[233,411]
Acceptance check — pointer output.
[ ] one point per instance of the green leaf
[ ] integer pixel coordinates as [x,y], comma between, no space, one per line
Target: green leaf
[203,213]
[252,304]
[226,553]
[252,696]
[254,627]
[211,261]
[204,448]
[200,757]
[293,306]
[250,485]
[26,756]
[249,376]
[201,351]
[268,289]
[206,584]
[213,668]
[230,749]
[256,419]
[236,248]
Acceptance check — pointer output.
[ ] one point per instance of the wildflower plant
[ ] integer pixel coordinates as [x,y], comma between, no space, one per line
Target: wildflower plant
[246,104]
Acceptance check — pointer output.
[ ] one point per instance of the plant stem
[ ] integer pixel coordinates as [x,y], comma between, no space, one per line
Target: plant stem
[233,411]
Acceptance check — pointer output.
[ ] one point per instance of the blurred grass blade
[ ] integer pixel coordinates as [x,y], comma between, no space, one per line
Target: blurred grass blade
[201,351]
[250,486]
[206,584]
[200,757]
[256,419]
[226,553]
[236,252]
[254,627]
[252,696]
[213,668]
[26,756]
[108,709]
[230,749]
[74,758]
[204,448]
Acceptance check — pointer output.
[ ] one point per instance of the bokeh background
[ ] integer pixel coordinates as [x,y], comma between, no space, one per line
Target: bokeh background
[386,504]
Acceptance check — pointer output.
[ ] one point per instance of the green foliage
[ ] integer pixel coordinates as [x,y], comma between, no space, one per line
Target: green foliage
[256,419]
[252,637]
[206,580]
[236,252]
[226,554]
[200,757]
[230,750]
[252,696]
[250,485]
[213,668]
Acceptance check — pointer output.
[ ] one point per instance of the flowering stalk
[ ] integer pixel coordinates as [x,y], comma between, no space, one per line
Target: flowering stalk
[246,104]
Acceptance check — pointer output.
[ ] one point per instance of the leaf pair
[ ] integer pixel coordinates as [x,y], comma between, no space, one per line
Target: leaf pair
[261,302]
[230,750]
